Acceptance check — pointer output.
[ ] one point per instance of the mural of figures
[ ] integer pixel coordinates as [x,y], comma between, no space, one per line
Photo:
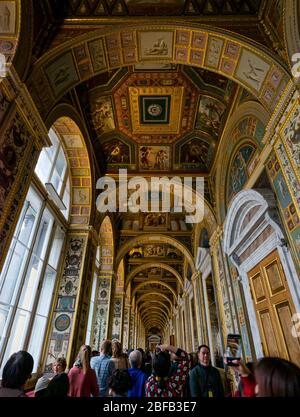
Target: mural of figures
[154,157]
[194,152]
[102,115]
[116,152]
[238,174]
[292,135]
[7,17]
[282,191]
[62,73]
[155,219]
[209,116]
[12,147]
[157,44]
[4,104]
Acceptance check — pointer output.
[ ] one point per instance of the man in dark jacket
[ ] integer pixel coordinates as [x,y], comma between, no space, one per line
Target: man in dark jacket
[205,380]
[138,377]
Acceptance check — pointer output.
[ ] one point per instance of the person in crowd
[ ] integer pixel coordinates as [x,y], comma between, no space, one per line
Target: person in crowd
[119,383]
[138,377]
[58,367]
[193,357]
[58,386]
[161,383]
[276,377]
[148,363]
[103,366]
[205,380]
[246,385]
[82,379]
[118,357]
[16,372]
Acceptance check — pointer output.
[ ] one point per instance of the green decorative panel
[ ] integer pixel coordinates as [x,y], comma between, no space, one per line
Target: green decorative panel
[155,109]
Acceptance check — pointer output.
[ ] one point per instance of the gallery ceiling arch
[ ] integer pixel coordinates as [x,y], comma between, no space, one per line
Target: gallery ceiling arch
[157,100]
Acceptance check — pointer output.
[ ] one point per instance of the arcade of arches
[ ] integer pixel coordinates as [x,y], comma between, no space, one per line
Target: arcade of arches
[204,89]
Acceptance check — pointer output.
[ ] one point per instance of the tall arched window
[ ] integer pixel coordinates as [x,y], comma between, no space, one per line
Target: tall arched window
[28,278]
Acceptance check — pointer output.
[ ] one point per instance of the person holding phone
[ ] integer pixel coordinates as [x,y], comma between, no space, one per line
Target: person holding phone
[205,379]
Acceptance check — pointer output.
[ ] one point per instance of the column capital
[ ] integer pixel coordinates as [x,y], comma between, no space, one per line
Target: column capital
[214,240]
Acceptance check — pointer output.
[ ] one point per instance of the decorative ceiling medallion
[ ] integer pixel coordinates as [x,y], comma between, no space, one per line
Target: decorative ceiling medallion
[155,109]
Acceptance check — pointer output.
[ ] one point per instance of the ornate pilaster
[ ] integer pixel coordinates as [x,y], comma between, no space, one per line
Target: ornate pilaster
[69,316]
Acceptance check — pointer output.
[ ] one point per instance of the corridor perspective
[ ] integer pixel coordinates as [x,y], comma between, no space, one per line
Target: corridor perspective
[150,179]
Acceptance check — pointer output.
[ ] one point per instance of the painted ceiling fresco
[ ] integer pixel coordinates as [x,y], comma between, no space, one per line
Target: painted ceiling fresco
[155,100]
[157,117]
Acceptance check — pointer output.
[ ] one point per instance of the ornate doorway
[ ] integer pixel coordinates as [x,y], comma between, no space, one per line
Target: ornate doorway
[274,308]
[255,242]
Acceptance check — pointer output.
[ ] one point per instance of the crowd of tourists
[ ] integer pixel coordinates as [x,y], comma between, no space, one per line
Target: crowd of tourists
[166,372]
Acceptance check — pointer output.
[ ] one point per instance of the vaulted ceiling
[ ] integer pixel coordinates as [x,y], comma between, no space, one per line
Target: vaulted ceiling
[157,117]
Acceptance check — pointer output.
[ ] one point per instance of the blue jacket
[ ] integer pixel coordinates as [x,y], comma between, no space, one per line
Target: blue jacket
[138,379]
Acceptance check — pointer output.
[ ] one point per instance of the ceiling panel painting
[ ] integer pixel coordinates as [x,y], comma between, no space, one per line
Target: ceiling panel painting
[209,116]
[156,107]
[194,153]
[156,44]
[118,154]
[153,105]
[102,116]
[154,158]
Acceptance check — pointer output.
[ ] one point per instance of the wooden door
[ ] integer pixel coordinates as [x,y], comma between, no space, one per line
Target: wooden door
[274,309]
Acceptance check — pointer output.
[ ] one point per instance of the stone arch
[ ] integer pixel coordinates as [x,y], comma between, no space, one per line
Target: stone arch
[154,293]
[155,322]
[158,310]
[154,281]
[151,320]
[81,175]
[162,265]
[252,231]
[154,303]
[157,238]
[255,114]
[215,49]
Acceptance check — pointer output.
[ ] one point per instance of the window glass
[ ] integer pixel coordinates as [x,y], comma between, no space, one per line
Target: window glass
[43,235]
[43,167]
[56,248]
[52,167]
[36,341]
[17,335]
[66,199]
[47,291]
[31,282]
[27,280]
[12,273]
[4,314]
